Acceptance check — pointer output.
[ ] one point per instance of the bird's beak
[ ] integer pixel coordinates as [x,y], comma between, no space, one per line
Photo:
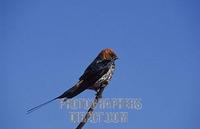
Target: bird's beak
[116,58]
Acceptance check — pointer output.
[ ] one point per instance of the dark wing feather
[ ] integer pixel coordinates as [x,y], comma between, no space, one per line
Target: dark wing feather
[96,69]
[75,90]
[93,73]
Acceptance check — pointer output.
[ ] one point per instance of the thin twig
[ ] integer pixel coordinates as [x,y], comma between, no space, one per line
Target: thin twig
[91,109]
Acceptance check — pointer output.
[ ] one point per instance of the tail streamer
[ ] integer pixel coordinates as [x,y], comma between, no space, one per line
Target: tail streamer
[39,106]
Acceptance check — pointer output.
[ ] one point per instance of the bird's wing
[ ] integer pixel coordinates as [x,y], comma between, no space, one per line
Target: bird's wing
[87,80]
[75,90]
[95,70]
[93,73]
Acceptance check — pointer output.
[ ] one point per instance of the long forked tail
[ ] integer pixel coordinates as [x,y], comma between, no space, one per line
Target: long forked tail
[39,106]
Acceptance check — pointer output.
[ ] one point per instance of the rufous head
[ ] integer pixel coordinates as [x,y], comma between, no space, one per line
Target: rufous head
[108,54]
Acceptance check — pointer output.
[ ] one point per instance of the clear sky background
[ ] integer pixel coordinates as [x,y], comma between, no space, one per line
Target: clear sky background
[46,45]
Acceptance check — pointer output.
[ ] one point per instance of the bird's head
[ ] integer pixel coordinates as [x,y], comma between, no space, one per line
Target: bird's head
[108,54]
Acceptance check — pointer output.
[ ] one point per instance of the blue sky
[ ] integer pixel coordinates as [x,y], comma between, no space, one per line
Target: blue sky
[46,45]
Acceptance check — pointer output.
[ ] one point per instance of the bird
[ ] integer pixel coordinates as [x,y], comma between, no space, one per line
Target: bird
[97,75]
